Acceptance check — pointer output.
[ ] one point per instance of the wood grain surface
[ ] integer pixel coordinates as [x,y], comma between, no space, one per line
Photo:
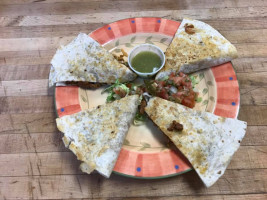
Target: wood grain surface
[34,164]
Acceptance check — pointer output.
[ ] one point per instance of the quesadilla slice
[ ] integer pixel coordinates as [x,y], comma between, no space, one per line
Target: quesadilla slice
[195,46]
[207,141]
[96,136]
[85,60]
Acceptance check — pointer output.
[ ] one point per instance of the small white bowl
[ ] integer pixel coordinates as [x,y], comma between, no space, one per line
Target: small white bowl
[146,47]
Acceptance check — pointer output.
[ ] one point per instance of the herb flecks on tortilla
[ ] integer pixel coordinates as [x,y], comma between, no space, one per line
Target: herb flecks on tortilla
[196,46]
[208,146]
[85,60]
[96,136]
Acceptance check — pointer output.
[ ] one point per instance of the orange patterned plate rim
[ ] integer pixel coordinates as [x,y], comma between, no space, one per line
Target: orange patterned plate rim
[166,163]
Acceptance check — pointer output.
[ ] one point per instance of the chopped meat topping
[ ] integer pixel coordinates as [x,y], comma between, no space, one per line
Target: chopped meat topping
[87,85]
[189,28]
[142,106]
[175,126]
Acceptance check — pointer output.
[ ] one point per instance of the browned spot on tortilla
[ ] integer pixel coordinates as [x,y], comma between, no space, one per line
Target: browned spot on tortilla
[102,151]
[219,172]
[202,170]
[189,28]
[198,157]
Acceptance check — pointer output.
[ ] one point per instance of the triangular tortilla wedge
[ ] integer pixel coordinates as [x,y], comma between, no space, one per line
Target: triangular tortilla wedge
[85,60]
[195,46]
[96,136]
[207,141]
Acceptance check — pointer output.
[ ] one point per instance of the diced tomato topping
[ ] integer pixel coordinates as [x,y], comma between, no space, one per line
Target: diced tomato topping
[188,102]
[177,80]
[184,95]
[163,94]
[120,92]
[161,84]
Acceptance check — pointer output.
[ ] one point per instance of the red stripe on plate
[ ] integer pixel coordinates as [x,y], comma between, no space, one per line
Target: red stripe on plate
[132,25]
[67,100]
[68,110]
[228,97]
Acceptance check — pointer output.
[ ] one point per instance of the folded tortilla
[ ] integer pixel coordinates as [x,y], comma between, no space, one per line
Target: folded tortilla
[195,46]
[84,59]
[96,136]
[207,141]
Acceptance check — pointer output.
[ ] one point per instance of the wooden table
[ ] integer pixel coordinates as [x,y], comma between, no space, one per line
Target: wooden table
[34,164]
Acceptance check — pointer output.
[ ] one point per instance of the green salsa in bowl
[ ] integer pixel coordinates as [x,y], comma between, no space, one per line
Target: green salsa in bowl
[146,60]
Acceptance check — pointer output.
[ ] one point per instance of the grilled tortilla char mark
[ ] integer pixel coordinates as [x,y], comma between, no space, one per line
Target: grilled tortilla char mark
[86,85]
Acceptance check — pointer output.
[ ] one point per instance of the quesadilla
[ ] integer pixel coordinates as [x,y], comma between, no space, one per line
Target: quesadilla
[85,60]
[207,141]
[195,46]
[96,136]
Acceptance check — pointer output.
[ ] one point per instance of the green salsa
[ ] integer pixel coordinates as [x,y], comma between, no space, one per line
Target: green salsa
[146,61]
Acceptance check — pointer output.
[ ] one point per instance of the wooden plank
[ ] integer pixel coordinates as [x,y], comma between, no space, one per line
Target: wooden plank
[32,44]
[250,64]
[182,3]
[90,6]
[245,36]
[246,23]
[251,50]
[255,135]
[252,79]
[255,96]
[27,87]
[252,24]
[27,164]
[81,8]
[2,90]
[84,186]
[108,17]
[51,141]
[66,163]
[27,123]
[191,197]
[202,197]
[235,36]
[26,72]
[27,104]
[18,58]
[30,143]
[47,31]
[253,115]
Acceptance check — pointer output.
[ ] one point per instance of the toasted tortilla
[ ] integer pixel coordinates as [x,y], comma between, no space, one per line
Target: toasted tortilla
[195,46]
[207,141]
[84,59]
[96,136]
